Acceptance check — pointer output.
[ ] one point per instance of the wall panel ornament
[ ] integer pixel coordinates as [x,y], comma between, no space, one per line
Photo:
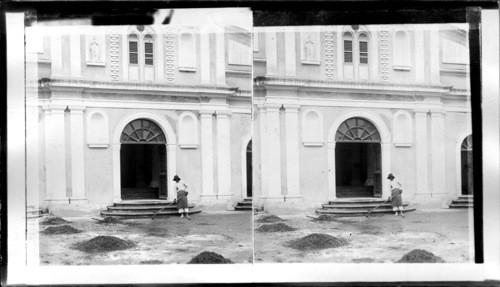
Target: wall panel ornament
[329,55]
[384,56]
[169,57]
[114,54]
[95,50]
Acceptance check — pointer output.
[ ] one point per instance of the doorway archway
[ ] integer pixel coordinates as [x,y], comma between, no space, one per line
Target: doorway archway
[383,144]
[466,167]
[143,161]
[170,149]
[357,159]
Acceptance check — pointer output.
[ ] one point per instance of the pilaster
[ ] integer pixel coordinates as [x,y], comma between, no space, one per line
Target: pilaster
[271,54]
[434,55]
[205,55]
[386,168]
[332,190]
[207,154]
[77,154]
[223,153]
[263,150]
[438,152]
[273,150]
[290,55]
[75,55]
[56,155]
[421,138]
[56,56]
[419,56]
[340,54]
[292,151]
[220,53]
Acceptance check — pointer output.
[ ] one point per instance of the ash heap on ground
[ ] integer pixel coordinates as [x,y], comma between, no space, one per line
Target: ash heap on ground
[316,241]
[207,257]
[420,256]
[61,229]
[103,244]
[277,227]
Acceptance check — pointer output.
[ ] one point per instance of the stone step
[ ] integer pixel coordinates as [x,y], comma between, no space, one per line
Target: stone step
[461,205]
[144,213]
[460,201]
[247,199]
[143,203]
[243,208]
[466,197]
[358,200]
[360,205]
[244,203]
[134,208]
[359,212]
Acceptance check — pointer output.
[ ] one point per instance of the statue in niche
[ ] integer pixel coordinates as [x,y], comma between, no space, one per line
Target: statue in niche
[94,51]
[309,46]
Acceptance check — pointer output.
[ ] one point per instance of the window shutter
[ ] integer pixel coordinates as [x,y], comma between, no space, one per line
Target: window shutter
[133,53]
[149,58]
[363,52]
[347,51]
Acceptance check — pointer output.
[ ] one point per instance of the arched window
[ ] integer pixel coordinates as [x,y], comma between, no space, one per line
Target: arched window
[401,51]
[133,49]
[348,48]
[403,129]
[142,131]
[148,50]
[357,130]
[363,48]
[187,52]
[97,130]
[312,128]
[188,130]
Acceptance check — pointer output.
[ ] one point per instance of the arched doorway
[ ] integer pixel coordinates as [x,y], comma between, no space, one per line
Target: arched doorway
[466,166]
[249,168]
[143,161]
[358,159]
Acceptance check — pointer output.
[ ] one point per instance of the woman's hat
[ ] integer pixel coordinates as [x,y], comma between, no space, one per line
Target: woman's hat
[176,178]
[390,176]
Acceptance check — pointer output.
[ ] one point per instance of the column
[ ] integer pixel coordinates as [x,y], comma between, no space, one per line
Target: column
[263,150]
[290,55]
[205,55]
[77,153]
[434,55]
[340,55]
[75,55]
[56,55]
[386,167]
[271,54]
[223,153]
[56,155]
[117,192]
[171,170]
[292,151]
[159,61]
[125,56]
[373,57]
[332,189]
[207,153]
[419,56]
[220,58]
[437,152]
[421,137]
[273,150]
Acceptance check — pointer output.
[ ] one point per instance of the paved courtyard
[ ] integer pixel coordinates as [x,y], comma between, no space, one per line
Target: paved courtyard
[165,240]
[378,239]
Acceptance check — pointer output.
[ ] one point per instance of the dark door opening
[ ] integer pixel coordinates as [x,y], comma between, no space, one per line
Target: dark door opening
[358,172]
[466,164]
[249,169]
[143,171]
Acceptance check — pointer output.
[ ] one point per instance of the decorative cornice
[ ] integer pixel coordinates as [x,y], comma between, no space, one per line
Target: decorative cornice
[144,88]
[357,87]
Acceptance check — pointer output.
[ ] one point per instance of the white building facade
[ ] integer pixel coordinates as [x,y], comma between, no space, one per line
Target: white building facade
[115,112]
[336,109]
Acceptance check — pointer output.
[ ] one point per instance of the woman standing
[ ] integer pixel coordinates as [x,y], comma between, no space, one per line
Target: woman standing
[182,202]
[396,199]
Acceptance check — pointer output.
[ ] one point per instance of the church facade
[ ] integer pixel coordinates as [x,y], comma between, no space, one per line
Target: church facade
[338,108]
[115,112]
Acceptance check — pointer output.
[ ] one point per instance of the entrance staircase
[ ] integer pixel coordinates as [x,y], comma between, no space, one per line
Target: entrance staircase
[359,207]
[463,201]
[144,208]
[244,205]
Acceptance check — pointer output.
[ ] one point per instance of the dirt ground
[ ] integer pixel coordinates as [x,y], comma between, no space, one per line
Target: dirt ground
[378,239]
[165,240]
